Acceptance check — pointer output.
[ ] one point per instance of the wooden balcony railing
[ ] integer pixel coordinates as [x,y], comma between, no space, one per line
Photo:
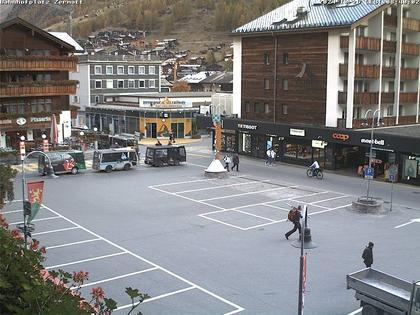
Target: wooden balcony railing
[387,98]
[390,46]
[362,43]
[390,21]
[38,63]
[411,24]
[48,88]
[388,72]
[367,98]
[386,121]
[410,49]
[361,71]
[408,97]
[409,73]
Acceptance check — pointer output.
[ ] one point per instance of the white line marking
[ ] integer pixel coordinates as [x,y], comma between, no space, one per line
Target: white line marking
[328,210]
[115,278]
[198,165]
[37,220]
[272,206]
[263,224]
[254,215]
[73,243]
[54,231]
[12,201]
[237,307]
[85,260]
[222,222]
[185,182]
[247,193]
[315,202]
[404,224]
[356,311]
[13,211]
[215,187]
[159,297]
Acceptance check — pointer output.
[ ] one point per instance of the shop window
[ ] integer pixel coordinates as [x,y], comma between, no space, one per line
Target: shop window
[285,58]
[267,59]
[266,84]
[284,109]
[266,108]
[411,167]
[285,85]
[109,70]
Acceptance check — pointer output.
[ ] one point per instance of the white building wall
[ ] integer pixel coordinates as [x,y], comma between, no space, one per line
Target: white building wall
[237,75]
[82,92]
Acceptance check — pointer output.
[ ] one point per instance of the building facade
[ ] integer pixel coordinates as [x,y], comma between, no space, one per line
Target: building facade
[34,82]
[101,76]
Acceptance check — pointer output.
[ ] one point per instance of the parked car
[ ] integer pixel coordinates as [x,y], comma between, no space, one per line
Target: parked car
[114,159]
[167,154]
[61,162]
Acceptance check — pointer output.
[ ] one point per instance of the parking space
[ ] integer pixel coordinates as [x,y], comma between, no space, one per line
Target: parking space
[247,202]
[72,247]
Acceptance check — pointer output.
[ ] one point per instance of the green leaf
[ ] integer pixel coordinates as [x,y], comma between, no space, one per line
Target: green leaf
[132,293]
[110,304]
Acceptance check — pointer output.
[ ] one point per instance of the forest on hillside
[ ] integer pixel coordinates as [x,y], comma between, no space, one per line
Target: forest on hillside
[163,16]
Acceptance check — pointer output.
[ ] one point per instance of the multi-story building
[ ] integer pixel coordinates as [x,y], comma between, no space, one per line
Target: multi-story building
[310,71]
[101,76]
[34,81]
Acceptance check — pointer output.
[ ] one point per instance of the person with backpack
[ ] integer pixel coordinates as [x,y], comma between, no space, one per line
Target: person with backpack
[235,161]
[227,161]
[294,216]
[368,255]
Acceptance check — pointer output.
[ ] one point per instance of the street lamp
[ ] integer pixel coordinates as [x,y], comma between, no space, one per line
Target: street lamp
[95,130]
[371,141]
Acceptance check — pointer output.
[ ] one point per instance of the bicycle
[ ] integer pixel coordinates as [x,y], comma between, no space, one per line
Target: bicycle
[315,173]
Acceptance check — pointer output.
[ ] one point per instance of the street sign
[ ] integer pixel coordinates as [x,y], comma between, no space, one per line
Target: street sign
[319,144]
[369,173]
[391,178]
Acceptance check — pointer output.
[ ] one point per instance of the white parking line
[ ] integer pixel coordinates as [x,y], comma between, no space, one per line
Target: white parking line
[13,211]
[356,311]
[247,193]
[54,231]
[73,243]
[115,278]
[37,220]
[254,215]
[237,307]
[329,199]
[272,206]
[85,260]
[184,182]
[222,222]
[216,187]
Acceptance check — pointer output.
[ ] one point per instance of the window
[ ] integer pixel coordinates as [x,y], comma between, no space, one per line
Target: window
[130,84]
[284,109]
[285,85]
[266,108]
[402,86]
[400,110]
[266,84]
[248,108]
[390,110]
[109,84]
[266,59]
[96,98]
[346,57]
[152,70]
[391,86]
[109,70]
[130,70]
[120,70]
[259,108]
[75,99]
[142,70]
[120,84]
[285,58]
[359,59]
[393,36]
[402,62]
[151,83]
[98,69]
[141,84]
[98,84]
[40,105]
[391,61]
[356,112]
[360,31]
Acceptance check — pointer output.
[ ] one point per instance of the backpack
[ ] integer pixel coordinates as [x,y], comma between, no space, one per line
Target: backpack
[293,214]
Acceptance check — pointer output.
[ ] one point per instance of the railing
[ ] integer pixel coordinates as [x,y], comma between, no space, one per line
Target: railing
[390,21]
[409,73]
[367,98]
[386,121]
[387,98]
[410,49]
[388,72]
[363,43]
[50,89]
[390,46]
[411,24]
[38,63]
[361,71]
[408,97]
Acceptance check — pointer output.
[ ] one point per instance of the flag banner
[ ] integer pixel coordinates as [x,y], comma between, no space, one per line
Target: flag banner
[35,194]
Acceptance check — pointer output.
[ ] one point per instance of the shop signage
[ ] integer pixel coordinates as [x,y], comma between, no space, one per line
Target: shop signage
[340,136]
[319,144]
[5,122]
[40,119]
[297,132]
[249,127]
[21,121]
[376,161]
[375,141]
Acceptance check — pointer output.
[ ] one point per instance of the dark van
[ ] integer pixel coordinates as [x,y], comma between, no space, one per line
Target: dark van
[62,162]
[166,154]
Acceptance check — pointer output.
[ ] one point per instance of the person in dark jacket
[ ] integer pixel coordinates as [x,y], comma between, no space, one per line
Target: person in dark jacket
[368,255]
[235,161]
[296,223]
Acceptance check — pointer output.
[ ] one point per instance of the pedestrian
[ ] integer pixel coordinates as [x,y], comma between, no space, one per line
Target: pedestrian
[294,216]
[368,255]
[272,155]
[235,161]
[158,143]
[268,157]
[227,160]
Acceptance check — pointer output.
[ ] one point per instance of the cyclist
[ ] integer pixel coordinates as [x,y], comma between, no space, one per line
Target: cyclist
[315,168]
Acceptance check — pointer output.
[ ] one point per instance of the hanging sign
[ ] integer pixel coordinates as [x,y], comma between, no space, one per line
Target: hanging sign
[35,194]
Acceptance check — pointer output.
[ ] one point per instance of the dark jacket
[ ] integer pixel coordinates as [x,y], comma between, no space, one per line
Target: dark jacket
[368,256]
[235,159]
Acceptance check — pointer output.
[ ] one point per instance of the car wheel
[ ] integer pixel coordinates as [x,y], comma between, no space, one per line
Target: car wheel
[127,166]
[108,169]
[74,170]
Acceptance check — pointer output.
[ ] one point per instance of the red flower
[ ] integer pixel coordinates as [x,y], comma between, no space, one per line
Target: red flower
[34,245]
[3,221]
[16,234]
[43,250]
[97,293]
[80,277]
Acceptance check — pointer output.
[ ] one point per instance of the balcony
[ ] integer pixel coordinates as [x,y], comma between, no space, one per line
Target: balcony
[390,21]
[410,49]
[390,47]
[409,73]
[387,98]
[38,63]
[362,43]
[411,24]
[408,97]
[361,71]
[39,88]
[386,121]
[366,98]
[388,72]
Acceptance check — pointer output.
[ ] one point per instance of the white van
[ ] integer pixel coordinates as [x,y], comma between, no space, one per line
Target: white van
[114,159]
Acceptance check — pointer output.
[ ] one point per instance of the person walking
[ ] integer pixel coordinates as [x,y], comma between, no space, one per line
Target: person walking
[273,156]
[368,255]
[294,216]
[269,160]
[227,161]
[235,161]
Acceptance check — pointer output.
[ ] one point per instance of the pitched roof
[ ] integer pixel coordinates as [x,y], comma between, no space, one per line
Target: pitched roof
[313,14]
[69,40]
[219,78]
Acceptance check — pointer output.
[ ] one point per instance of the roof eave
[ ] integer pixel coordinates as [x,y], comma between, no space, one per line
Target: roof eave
[295,30]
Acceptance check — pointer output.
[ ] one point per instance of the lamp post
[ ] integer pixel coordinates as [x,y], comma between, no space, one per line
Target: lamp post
[371,141]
